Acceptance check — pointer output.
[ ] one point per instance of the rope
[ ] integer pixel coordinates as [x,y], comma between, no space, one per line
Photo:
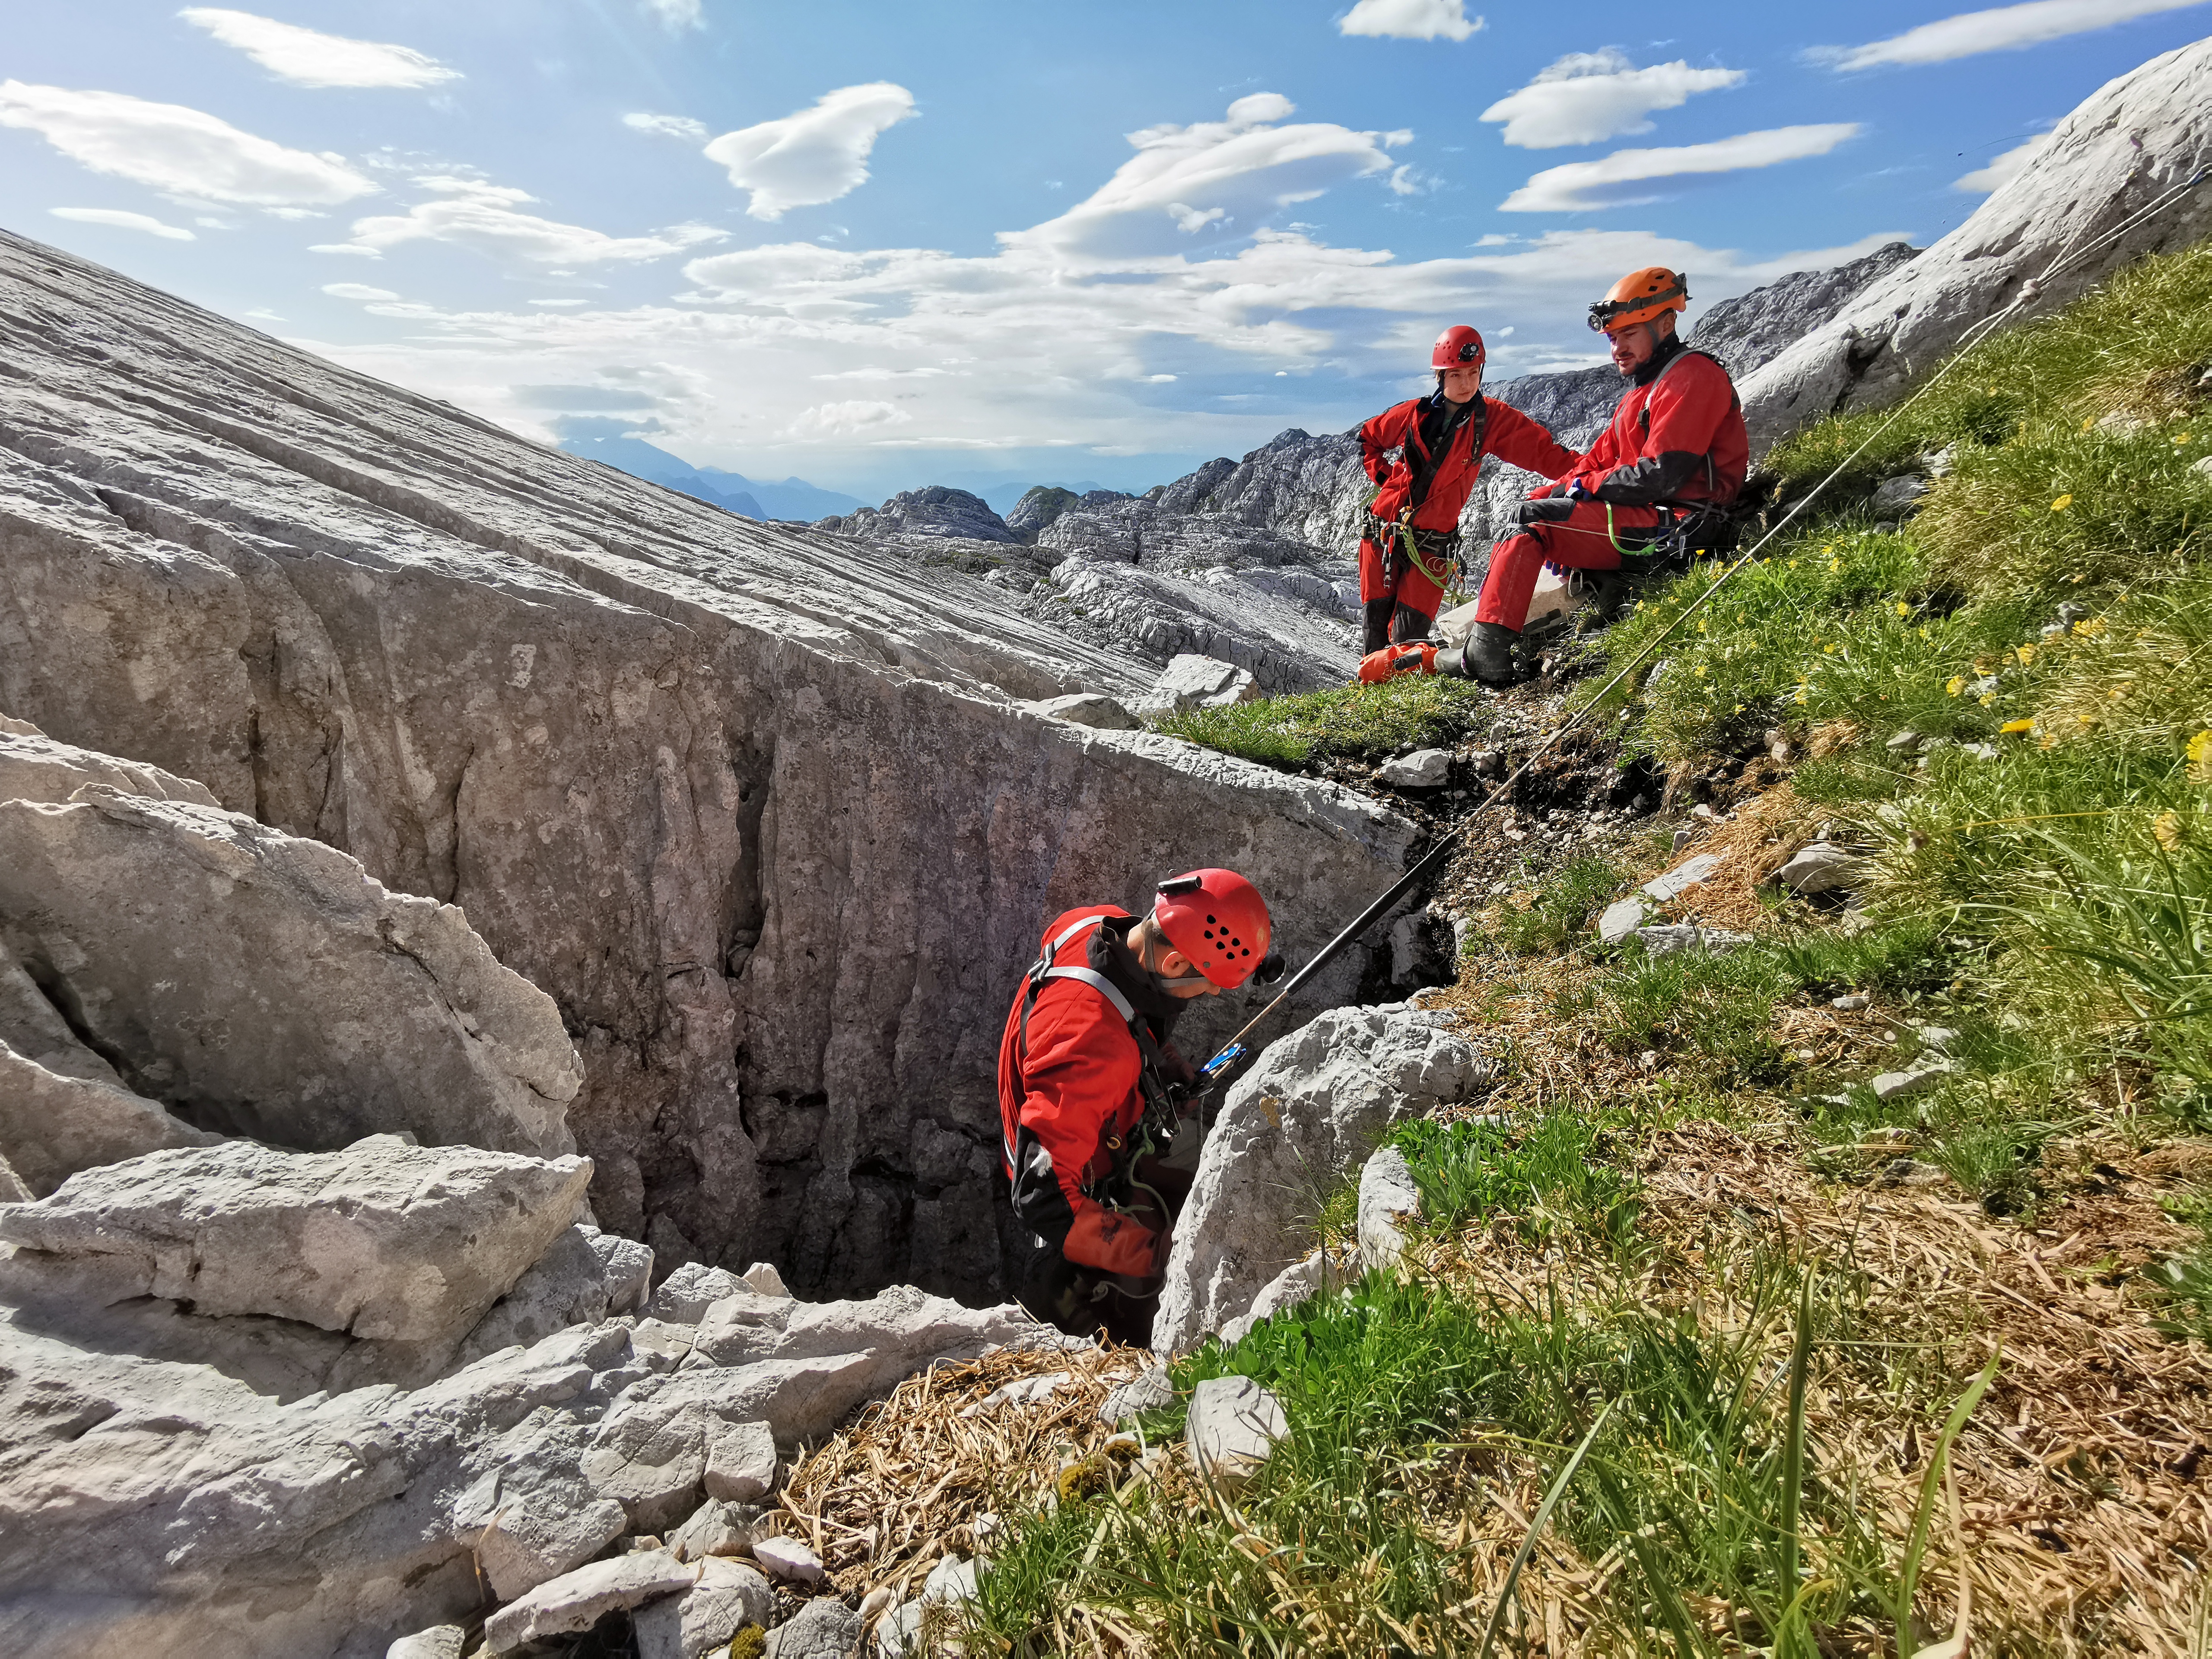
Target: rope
[2067,256]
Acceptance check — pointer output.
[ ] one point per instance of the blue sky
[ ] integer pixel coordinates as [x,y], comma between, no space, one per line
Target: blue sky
[877,245]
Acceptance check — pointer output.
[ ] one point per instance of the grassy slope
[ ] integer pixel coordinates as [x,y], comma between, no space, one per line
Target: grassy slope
[1760,1291]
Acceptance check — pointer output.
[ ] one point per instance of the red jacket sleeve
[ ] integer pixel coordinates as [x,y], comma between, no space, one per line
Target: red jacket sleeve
[1520,441]
[1081,1075]
[1385,432]
[1686,407]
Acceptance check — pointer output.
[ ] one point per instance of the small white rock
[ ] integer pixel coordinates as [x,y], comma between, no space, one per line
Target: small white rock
[1852,1003]
[1021,1391]
[1233,1428]
[1621,918]
[1684,876]
[786,1558]
[741,1464]
[764,1278]
[441,1642]
[1425,769]
[1388,1200]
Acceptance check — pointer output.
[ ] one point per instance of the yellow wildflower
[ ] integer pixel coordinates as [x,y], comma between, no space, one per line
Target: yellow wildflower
[1831,650]
[2088,421]
[2116,693]
[1802,691]
[2024,653]
[2062,502]
[1954,685]
[2089,627]
[2166,827]
[1903,609]
[1701,670]
[1793,564]
[1987,698]
[2200,758]
[2184,438]
[2087,720]
[2012,727]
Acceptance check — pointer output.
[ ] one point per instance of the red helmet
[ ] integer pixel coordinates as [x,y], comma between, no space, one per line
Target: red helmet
[1458,347]
[1217,919]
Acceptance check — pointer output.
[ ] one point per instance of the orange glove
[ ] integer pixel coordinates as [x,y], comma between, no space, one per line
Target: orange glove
[1394,659]
[1115,1242]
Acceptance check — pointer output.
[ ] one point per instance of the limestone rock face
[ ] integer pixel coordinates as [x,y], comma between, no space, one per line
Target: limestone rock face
[385,1240]
[34,767]
[1311,1109]
[1039,507]
[168,1507]
[935,514]
[1157,582]
[2122,148]
[754,805]
[62,1107]
[257,983]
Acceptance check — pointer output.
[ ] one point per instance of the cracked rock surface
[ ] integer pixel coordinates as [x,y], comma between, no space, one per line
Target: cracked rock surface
[757,807]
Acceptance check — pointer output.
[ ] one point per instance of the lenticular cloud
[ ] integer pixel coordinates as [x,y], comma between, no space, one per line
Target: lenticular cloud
[815,155]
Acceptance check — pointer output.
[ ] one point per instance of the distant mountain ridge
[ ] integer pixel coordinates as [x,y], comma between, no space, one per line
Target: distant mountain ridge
[751,498]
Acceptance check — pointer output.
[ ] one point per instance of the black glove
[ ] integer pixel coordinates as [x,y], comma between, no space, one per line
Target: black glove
[1548,509]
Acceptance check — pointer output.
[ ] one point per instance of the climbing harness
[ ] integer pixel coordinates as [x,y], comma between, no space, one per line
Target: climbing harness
[2066,259]
[1119,1183]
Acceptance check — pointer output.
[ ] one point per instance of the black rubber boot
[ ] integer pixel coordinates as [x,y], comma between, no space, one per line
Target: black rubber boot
[1377,621]
[1488,655]
[1408,624]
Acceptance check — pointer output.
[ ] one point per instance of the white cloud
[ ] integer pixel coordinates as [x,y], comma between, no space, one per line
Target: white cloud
[1587,97]
[842,420]
[2001,28]
[361,291]
[1612,180]
[307,57]
[668,126]
[122,220]
[2001,170]
[675,15]
[487,218]
[1410,20]
[1233,173]
[814,155]
[177,151]
[1058,337]
[560,302]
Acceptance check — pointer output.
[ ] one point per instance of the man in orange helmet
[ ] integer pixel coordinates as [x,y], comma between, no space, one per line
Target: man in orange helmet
[1085,1065]
[1423,456]
[1675,450]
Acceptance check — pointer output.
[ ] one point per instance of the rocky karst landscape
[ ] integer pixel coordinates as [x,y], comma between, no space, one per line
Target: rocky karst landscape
[477,933]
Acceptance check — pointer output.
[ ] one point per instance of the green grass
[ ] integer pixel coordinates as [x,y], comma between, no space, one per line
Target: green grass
[1551,1176]
[1410,1404]
[1355,722]
[1564,903]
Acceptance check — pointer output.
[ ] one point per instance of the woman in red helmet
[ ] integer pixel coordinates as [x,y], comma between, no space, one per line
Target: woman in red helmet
[1411,539]
[1085,1043]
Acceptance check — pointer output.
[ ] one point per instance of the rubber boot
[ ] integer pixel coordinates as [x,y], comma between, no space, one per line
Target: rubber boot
[1488,655]
[1408,624]
[1377,621]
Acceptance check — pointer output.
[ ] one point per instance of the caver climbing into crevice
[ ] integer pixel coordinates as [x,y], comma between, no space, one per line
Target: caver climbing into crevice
[1410,542]
[1656,484]
[1088,1078]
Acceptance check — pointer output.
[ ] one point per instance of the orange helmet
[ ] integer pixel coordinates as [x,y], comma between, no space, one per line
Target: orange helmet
[1640,297]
